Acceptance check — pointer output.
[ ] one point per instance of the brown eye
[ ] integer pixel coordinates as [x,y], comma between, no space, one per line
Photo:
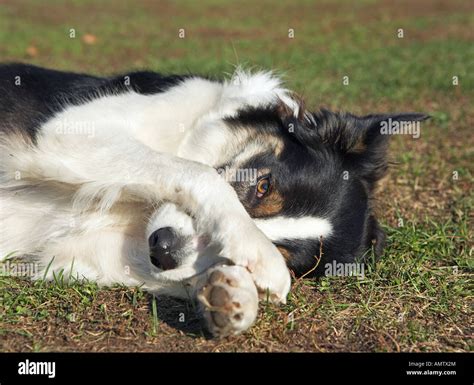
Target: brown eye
[263,186]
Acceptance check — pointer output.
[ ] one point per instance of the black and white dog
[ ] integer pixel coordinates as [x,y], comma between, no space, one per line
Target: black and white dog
[184,185]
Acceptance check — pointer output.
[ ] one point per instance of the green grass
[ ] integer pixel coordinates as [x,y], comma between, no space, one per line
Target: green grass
[379,64]
[417,297]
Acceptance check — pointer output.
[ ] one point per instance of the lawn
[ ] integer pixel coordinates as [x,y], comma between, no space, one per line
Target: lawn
[397,56]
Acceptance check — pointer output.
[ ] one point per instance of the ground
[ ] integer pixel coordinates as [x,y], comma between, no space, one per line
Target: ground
[398,56]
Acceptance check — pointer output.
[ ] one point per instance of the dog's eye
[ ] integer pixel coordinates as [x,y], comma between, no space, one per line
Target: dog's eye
[263,186]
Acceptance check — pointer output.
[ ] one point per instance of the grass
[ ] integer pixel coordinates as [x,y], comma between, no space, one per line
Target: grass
[417,297]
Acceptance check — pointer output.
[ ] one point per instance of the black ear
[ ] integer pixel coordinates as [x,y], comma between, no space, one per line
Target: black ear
[362,141]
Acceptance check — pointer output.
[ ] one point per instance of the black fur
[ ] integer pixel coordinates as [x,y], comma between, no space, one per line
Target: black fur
[30,95]
[310,175]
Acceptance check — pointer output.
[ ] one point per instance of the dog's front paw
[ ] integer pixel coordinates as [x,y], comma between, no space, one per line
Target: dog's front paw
[254,251]
[229,300]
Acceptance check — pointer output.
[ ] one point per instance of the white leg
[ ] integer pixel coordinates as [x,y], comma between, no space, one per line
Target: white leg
[140,173]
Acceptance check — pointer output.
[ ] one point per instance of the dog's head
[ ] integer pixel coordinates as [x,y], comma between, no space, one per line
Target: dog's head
[308,181]
[307,178]
[315,179]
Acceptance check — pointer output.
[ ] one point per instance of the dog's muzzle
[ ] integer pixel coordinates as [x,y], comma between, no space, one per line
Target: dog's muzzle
[163,244]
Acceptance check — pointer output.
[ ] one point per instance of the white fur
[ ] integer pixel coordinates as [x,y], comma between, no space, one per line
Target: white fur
[279,228]
[81,198]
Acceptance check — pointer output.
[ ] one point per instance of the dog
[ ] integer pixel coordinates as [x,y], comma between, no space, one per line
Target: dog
[185,185]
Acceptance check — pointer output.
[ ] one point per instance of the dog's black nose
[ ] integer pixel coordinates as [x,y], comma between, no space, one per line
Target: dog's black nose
[162,243]
[163,239]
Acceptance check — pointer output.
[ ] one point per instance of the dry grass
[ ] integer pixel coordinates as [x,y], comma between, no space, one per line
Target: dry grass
[416,298]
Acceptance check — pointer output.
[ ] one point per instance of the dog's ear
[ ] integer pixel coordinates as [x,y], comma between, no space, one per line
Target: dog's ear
[362,141]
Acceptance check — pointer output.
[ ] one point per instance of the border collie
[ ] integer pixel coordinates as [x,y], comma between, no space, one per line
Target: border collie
[184,185]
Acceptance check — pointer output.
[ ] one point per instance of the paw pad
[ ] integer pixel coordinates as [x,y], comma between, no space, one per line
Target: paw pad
[229,300]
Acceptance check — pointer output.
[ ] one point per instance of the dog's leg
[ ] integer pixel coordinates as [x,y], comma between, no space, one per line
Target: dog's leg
[141,173]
